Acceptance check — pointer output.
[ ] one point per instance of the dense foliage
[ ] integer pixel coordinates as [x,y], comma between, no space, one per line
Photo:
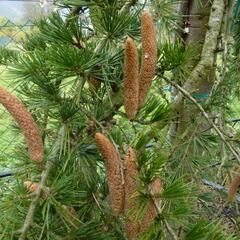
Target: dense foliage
[69,74]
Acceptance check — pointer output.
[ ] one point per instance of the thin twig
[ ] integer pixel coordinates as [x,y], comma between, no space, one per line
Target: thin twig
[205,115]
[170,231]
[32,209]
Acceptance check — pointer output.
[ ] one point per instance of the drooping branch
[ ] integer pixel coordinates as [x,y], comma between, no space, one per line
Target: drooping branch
[186,94]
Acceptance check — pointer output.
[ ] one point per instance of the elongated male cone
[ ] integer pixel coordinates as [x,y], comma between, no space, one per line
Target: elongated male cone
[131,66]
[132,226]
[232,192]
[113,170]
[149,56]
[26,123]
[151,213]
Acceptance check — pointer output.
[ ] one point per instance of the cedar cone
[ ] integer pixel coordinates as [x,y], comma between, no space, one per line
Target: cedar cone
[131,66]
[232,192]
[113,170]
[132,226]
[149,56]
[25,122]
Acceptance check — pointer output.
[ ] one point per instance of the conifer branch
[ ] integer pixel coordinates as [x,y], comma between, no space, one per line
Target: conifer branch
[186,94]
[170,230]
[29,220]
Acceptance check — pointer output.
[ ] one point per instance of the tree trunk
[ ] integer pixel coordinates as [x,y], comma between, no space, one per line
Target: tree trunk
[202,26]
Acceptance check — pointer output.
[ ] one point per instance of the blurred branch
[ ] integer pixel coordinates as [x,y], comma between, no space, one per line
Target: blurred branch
[44,176]
[218,187]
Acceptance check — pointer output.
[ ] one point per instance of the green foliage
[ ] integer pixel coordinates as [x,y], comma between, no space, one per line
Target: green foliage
[203,230]
[53,74]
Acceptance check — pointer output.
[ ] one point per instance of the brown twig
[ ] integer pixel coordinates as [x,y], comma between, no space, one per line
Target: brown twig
[29,220]
[186,94]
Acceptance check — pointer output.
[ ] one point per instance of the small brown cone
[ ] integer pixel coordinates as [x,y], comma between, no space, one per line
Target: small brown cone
[131,66]
[232,192]
[113,170]
[32,187]
[25,122]
[132,226]
[149,56]
[151,213]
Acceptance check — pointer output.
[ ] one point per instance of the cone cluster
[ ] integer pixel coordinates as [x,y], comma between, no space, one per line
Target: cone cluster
[26,123]
[137,84]
[123,195]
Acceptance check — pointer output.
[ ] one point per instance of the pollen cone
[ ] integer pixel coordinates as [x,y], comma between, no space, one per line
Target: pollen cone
[149,56]
[232,192]
[25,122]
[131,66]
[151,213]
[113,170]
[132,226]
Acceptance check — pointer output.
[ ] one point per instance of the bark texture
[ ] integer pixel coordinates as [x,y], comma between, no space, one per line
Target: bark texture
[200,73]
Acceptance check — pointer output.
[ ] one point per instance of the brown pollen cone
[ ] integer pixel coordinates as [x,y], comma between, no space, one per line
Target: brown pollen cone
[26,123]
[232,192]
[131,66]
[151,213]
[132,226]
[149,56]
[113,171]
